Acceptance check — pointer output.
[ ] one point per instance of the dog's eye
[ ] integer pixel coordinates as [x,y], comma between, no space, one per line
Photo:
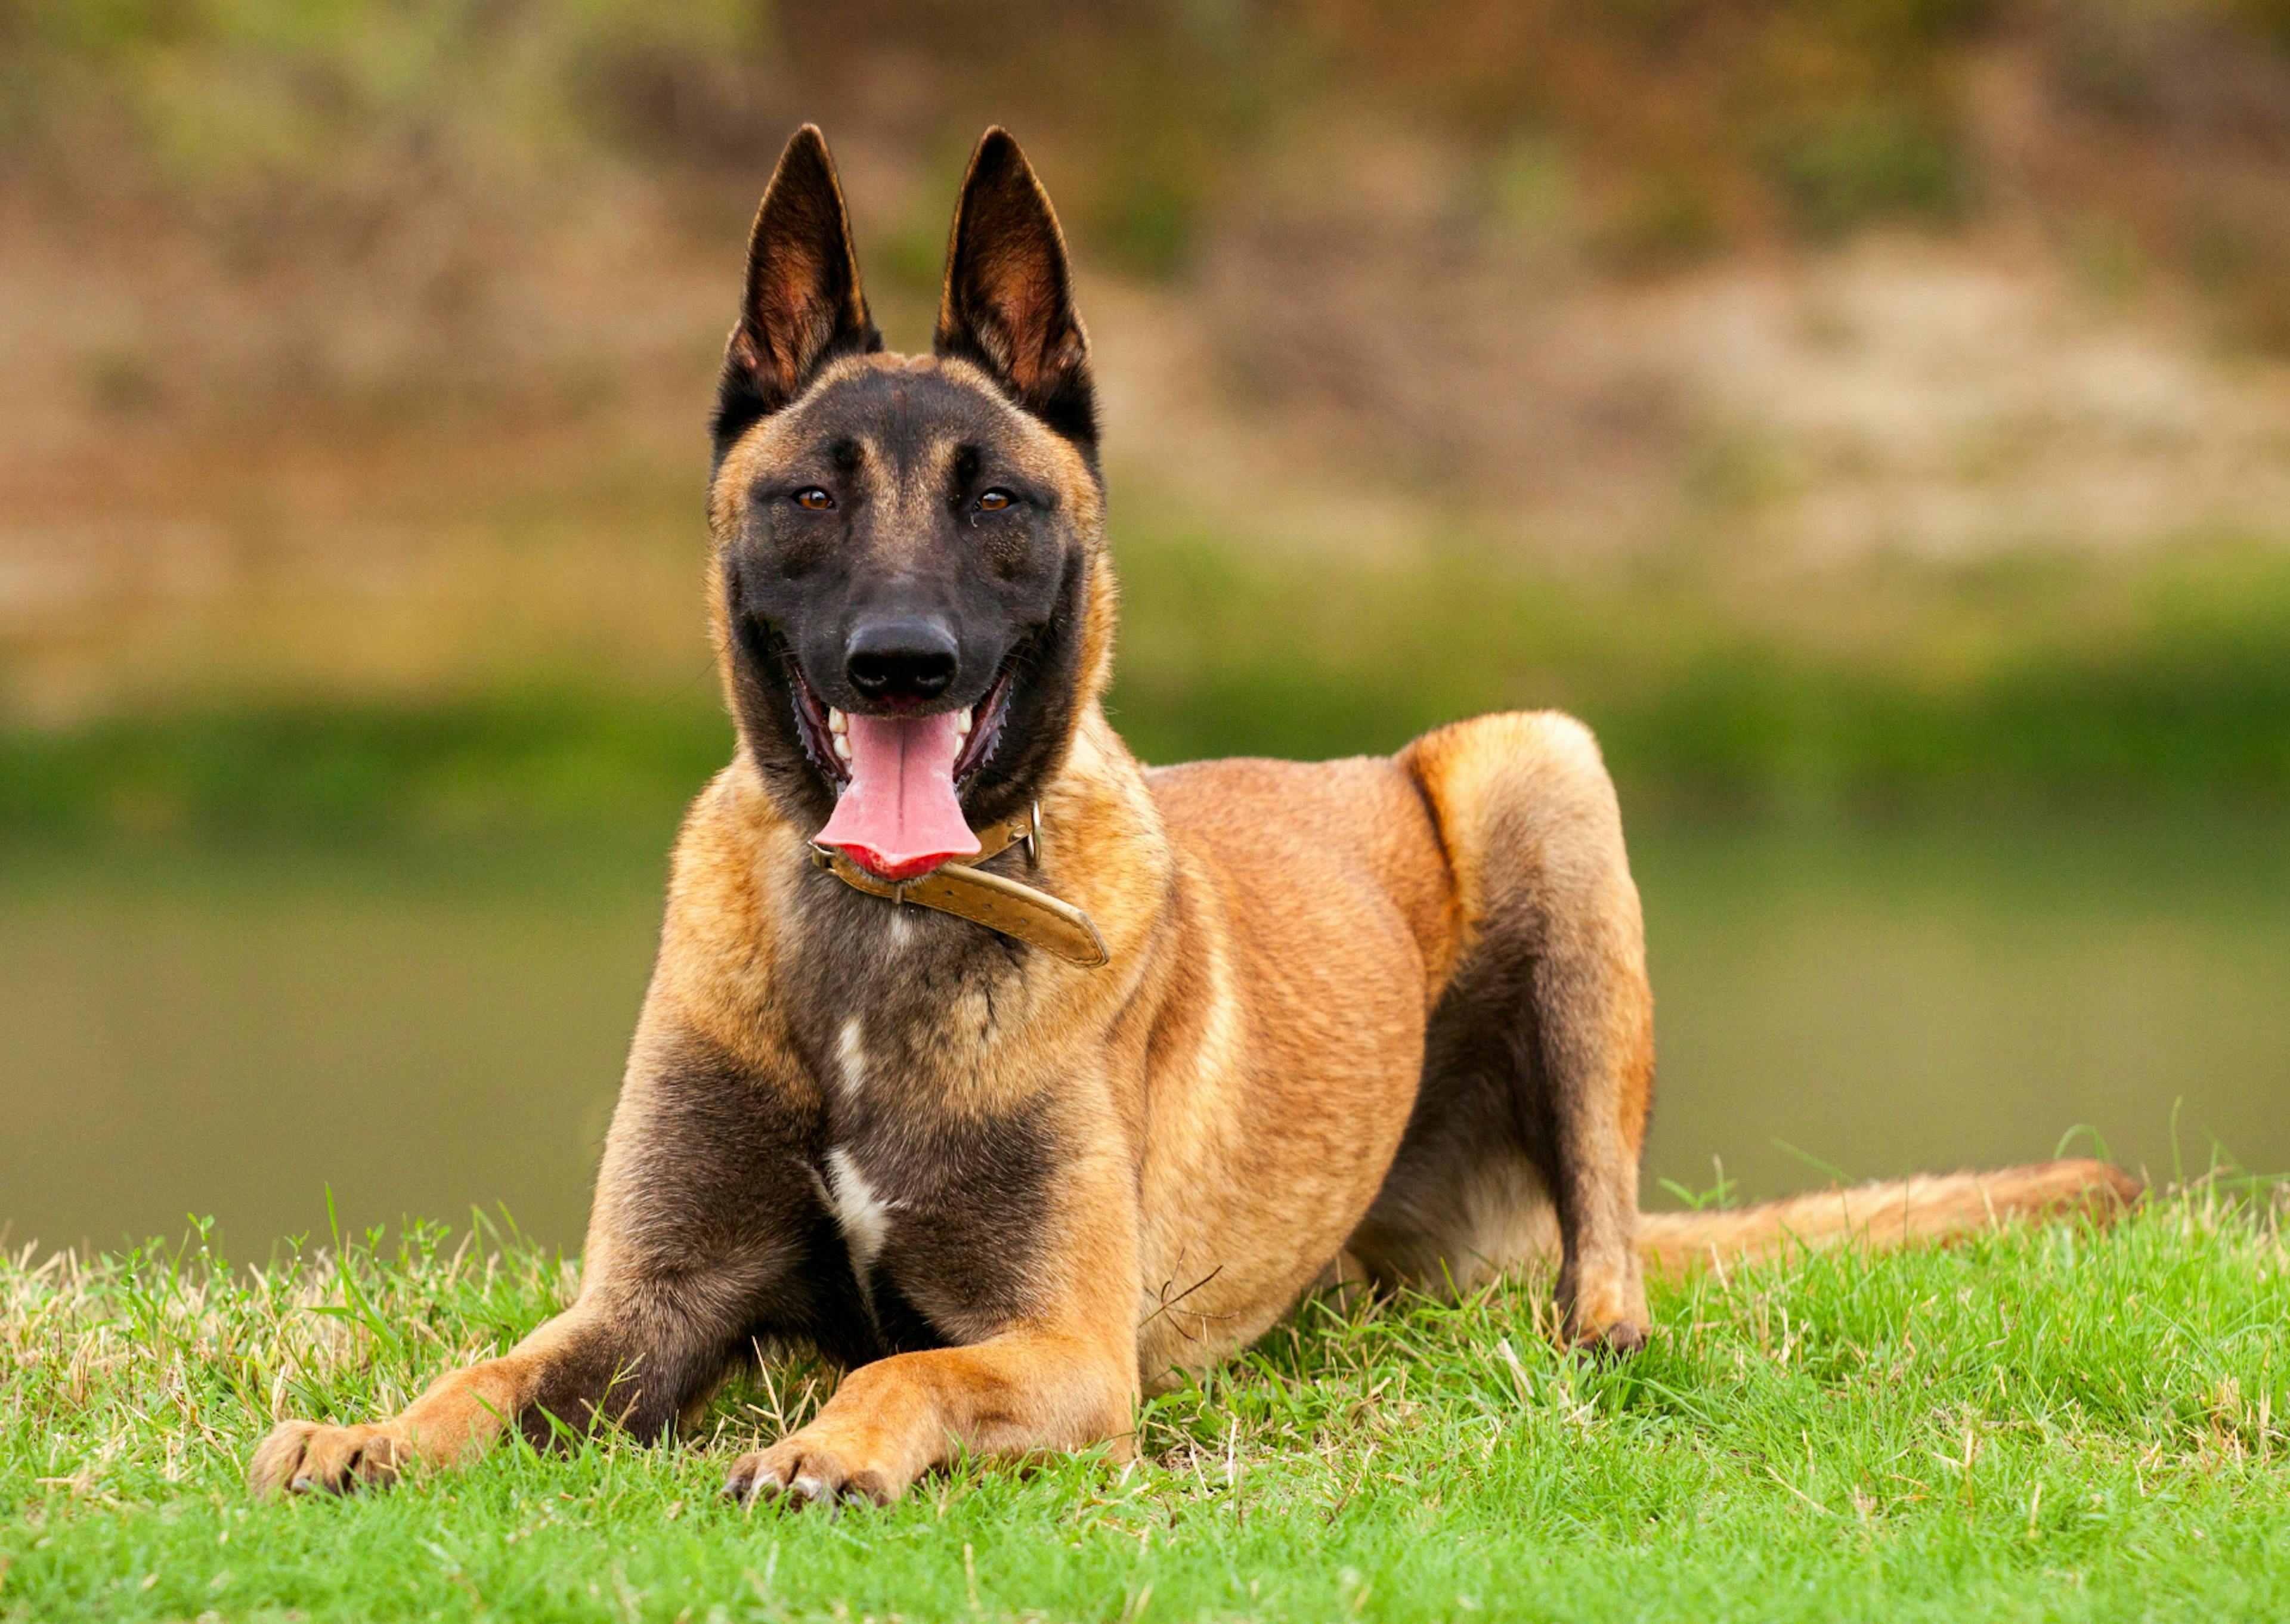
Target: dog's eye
[814,499]
[995,500]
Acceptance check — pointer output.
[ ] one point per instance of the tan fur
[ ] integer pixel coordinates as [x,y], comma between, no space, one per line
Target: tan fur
[1391,1011]
[1882,1216]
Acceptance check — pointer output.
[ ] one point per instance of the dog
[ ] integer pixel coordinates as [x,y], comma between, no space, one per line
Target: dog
[1016,1078]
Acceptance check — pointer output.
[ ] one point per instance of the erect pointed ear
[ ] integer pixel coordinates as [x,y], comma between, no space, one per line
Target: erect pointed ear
[803,306]
[1008,303]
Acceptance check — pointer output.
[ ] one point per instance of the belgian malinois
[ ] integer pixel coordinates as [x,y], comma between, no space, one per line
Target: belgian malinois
[1015,1077]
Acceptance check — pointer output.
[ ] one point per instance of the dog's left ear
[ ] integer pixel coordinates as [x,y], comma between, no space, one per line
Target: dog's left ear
[1008,302]
[802,306]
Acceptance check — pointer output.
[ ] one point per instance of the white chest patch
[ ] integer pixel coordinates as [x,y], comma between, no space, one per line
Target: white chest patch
[863,1216]
[851,1059]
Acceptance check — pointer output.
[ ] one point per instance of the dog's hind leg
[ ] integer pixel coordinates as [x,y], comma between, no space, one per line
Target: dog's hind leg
[1538,1061]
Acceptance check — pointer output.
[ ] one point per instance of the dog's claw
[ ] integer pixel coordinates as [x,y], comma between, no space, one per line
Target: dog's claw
[306,1458]
[1611,1343]
[806,1477]
[1623,1340]
[1618,1340]
[751,1481]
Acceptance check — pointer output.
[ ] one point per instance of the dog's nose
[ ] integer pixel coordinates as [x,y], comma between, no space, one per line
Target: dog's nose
[900,660]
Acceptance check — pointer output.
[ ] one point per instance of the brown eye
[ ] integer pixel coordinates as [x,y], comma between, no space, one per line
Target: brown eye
[995,500]
[814,499]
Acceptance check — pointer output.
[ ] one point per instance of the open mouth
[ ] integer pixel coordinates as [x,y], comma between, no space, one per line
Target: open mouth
[826,732]
[899,778]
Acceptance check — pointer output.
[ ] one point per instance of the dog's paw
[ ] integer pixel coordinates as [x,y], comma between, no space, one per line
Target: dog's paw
[1603,1314]
[802,1469]
[305,1458]
[1616,1340]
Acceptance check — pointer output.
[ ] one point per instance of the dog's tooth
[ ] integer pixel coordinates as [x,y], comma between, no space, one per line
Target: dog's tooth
[837,722]
[962,720]
[842,746]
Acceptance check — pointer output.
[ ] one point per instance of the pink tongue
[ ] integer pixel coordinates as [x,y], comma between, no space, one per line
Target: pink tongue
[897,815]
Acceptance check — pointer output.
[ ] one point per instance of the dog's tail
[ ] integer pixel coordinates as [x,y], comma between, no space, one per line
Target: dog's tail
[1925,1208]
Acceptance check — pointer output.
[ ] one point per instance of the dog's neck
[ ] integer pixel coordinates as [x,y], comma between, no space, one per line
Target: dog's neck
[1103,853]
[996,902]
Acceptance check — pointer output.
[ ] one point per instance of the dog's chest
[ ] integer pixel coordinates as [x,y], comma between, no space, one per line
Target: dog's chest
[938,1211]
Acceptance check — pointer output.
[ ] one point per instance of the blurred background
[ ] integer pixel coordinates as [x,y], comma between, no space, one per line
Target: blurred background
[1873,416]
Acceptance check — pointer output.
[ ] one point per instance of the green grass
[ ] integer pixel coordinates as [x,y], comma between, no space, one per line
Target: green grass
[2042,1423]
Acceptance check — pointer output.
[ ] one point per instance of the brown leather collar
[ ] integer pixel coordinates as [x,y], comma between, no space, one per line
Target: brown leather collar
[1021,912]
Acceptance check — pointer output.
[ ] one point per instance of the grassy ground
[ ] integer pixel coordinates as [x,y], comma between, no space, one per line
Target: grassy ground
[2049,1423]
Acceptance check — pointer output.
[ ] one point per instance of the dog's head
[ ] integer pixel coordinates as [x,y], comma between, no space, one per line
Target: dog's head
[913,608]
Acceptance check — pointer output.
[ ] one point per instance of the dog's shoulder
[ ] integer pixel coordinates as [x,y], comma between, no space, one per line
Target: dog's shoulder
[717,973]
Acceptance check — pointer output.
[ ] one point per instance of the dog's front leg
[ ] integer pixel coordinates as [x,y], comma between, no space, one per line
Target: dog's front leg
[1027,1392]
[598,1359]
[1062,1375]
[678,1267]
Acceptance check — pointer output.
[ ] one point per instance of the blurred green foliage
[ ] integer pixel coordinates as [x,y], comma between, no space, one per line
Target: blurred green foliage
[2015,687]
[1871,165]
[2019,684]
[530,760]
[275,68]
[1695,123]
[1646,132]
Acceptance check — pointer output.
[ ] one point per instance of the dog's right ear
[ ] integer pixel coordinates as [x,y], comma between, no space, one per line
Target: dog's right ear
[1008,303]
[803,306]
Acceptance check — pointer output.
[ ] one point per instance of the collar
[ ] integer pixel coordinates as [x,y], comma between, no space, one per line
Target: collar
[961,888]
